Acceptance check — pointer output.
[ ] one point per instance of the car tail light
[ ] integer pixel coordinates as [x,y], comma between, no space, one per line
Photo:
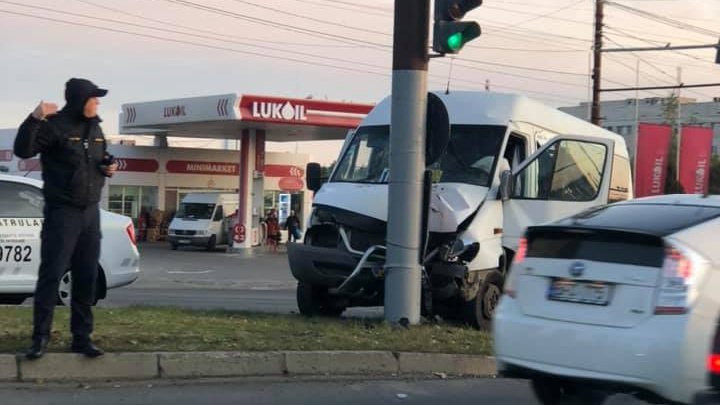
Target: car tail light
[521,252]
[519,257]
[130,229]
[713,361]
[680,279]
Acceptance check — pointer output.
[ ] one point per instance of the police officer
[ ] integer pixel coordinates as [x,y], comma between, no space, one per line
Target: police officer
[75,163]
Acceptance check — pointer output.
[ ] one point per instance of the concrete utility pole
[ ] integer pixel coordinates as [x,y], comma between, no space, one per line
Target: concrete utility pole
[597,61]
[407,161]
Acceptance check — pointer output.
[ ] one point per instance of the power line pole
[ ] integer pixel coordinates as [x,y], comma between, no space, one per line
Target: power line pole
[679,123]
[407,161]
[597,61]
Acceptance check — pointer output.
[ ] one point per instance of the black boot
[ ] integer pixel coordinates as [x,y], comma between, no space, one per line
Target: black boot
[86,347]
[38,348]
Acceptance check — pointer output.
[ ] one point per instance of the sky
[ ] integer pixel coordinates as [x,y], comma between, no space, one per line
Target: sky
[340,50]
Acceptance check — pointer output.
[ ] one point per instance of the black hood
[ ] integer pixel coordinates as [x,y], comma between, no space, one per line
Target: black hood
[77,93]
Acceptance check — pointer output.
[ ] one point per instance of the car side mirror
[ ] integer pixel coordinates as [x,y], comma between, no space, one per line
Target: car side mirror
[506,185]
[313,176]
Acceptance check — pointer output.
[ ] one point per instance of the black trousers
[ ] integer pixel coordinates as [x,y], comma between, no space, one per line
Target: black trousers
[70,240]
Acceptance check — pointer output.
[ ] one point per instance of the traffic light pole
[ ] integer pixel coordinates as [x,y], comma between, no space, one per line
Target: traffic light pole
[407,161]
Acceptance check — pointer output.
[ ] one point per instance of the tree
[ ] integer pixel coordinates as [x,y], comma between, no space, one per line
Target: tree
[715,175]
[670,114]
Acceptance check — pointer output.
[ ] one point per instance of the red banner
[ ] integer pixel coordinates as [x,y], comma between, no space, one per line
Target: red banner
[695,157]
[653,145]
[6,155]
[195,167]
[137,165]
[283,171]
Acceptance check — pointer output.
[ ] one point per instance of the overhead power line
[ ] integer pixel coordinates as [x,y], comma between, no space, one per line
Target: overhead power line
[258,54]
[676,52]
[663,72]
[339,6]
[285,27]
[549,16]
[315,32]
[677,86]
[260,46]
[664,20]
[200,30]
[310,18]
[213,37]
[186,42]
[483,48]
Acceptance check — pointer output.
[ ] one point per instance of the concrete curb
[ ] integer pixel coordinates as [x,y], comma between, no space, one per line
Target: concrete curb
[8,368]
[220,364]
[146,366]
[452,364]
[341,363]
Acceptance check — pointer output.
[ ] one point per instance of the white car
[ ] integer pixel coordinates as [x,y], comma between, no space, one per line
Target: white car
[621,298]
[21,216]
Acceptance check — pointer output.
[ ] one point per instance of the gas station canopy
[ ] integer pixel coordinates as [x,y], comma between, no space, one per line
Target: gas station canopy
[227,116]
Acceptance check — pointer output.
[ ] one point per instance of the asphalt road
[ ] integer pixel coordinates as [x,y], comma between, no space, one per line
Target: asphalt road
[260,392]
[255,280]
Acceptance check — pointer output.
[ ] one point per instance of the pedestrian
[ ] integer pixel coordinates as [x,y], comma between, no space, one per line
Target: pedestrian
[292,224]
[143,221]
[75,163]
[273,230]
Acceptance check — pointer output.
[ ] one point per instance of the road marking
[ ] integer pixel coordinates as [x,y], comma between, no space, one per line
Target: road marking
[191,272]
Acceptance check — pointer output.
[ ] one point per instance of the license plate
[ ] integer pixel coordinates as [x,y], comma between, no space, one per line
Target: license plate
[581,292]
[184,241]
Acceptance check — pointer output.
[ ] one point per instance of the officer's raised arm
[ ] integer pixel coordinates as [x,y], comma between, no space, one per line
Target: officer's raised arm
[33,137]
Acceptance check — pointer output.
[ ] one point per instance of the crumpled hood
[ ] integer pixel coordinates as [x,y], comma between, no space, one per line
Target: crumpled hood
[450,204]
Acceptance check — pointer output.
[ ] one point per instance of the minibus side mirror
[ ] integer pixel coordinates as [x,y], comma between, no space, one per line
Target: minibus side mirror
[506,185]
[313,176]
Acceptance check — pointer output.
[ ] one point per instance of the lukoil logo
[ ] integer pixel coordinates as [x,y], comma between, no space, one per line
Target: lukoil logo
[657,175]
[700,173]
[174,111]
[279,111]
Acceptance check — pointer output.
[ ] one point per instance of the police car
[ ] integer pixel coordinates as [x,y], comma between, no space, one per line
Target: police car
[21,217]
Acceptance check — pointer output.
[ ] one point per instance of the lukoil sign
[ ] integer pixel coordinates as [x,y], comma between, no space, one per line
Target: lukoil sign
[279,111]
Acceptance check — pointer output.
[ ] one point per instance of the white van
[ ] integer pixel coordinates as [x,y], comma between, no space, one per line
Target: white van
[204,219]
[510,162]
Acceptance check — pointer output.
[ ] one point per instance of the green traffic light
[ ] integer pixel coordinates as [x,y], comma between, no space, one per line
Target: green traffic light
[455,41]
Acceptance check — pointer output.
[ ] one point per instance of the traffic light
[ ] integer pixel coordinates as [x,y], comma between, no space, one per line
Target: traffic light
[450,34]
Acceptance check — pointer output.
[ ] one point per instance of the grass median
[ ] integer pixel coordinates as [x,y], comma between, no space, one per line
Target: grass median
[140,329]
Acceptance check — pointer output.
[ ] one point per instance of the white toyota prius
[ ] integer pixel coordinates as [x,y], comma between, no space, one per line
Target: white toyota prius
[21,216]
[622,298]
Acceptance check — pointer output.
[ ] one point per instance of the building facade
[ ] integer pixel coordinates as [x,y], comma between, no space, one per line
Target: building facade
[154,178]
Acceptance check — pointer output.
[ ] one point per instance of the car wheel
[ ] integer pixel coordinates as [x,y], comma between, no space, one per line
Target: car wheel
[479,312]
[64,294]
[13,299]
[212,244]
[313,300]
